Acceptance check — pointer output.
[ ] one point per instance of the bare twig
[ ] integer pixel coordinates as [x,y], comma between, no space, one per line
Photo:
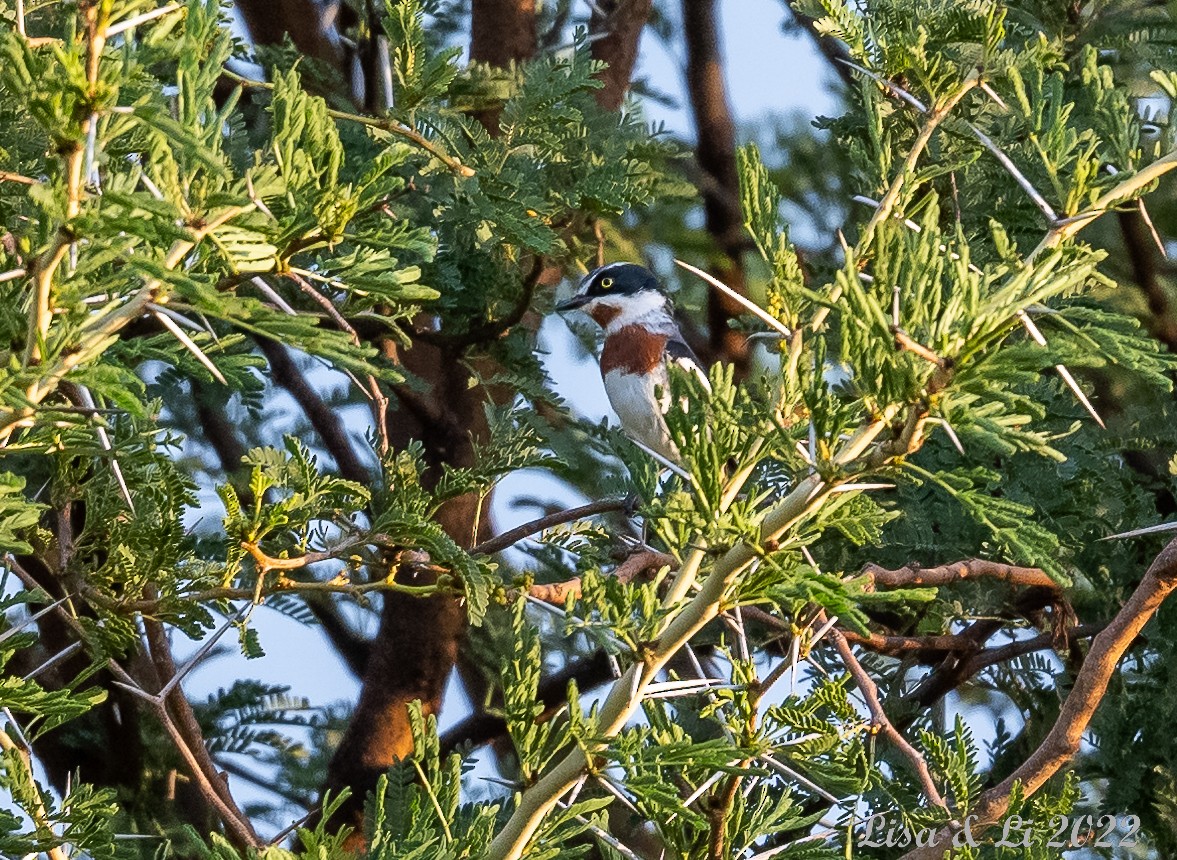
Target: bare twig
[38,812]
[512,537]
[186,733]
[906,343]
[880,720]
[326,421]
[200,765]
[557,593]
[946,574]
[9,176]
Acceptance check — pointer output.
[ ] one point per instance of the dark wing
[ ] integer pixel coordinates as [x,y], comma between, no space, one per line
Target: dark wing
[681,355]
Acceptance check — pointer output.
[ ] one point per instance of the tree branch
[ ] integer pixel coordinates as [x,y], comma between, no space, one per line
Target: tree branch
[618,24]
[488,330]
[834,50]
[879,719]
[715,151]
[480,727]
[947,574]
[200,766]
[1062,742]
[190,736]
[557,593]
[512,537]
[323,419]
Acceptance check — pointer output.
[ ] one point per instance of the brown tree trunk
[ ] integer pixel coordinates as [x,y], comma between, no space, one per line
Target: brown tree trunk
[417,642]
[619,24]
[720,185]
[311,27]
[501,32]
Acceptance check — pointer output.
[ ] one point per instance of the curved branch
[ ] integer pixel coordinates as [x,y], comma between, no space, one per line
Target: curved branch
[557,593]
[481,727]
[1063,740]
[880,720]
[959,571]
[325,420]
[176,704]
[512,537]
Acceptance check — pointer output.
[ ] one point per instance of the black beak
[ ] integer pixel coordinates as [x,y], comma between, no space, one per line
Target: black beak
[573,303]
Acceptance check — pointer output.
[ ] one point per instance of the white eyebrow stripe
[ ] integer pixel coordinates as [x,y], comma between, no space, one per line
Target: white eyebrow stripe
[601,270]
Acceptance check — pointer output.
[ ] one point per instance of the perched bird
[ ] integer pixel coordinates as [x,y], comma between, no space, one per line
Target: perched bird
[642,341]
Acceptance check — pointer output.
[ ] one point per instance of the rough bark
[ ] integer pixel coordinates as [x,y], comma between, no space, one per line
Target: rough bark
[311,27]
[502,31]
[618,26]
[417,642]
[1061,744]
[720,185]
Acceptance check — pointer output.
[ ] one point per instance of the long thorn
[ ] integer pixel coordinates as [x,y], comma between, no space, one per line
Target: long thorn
[743,301]
[890,85]
[202,653]
[1013,171]
[1148,530]
[189,344]
[104,440]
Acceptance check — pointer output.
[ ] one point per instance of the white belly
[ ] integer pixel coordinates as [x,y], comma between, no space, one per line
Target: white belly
[634,399]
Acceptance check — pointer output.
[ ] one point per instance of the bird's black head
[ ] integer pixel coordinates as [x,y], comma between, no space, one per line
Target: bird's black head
[615,279]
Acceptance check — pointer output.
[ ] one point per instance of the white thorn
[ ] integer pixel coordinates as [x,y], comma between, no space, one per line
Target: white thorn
[744,302]
[190,345]
[1148,530]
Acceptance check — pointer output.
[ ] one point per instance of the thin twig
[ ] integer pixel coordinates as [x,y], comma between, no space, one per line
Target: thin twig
[880,720]
[513,536]
[184,729]
[946,574]
[558,593]
[38,811]
[9,176]
[237,825]
[906,343]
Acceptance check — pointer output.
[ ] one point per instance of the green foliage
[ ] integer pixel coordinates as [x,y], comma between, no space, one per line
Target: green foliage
[416,812]
[175,237]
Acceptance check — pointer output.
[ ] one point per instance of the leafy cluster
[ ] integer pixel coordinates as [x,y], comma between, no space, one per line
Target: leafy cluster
[922,404]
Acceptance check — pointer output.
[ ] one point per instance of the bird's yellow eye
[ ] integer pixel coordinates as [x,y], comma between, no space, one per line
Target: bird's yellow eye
[606,283]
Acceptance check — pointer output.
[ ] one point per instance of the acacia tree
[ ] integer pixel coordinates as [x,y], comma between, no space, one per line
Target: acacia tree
[917,478]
